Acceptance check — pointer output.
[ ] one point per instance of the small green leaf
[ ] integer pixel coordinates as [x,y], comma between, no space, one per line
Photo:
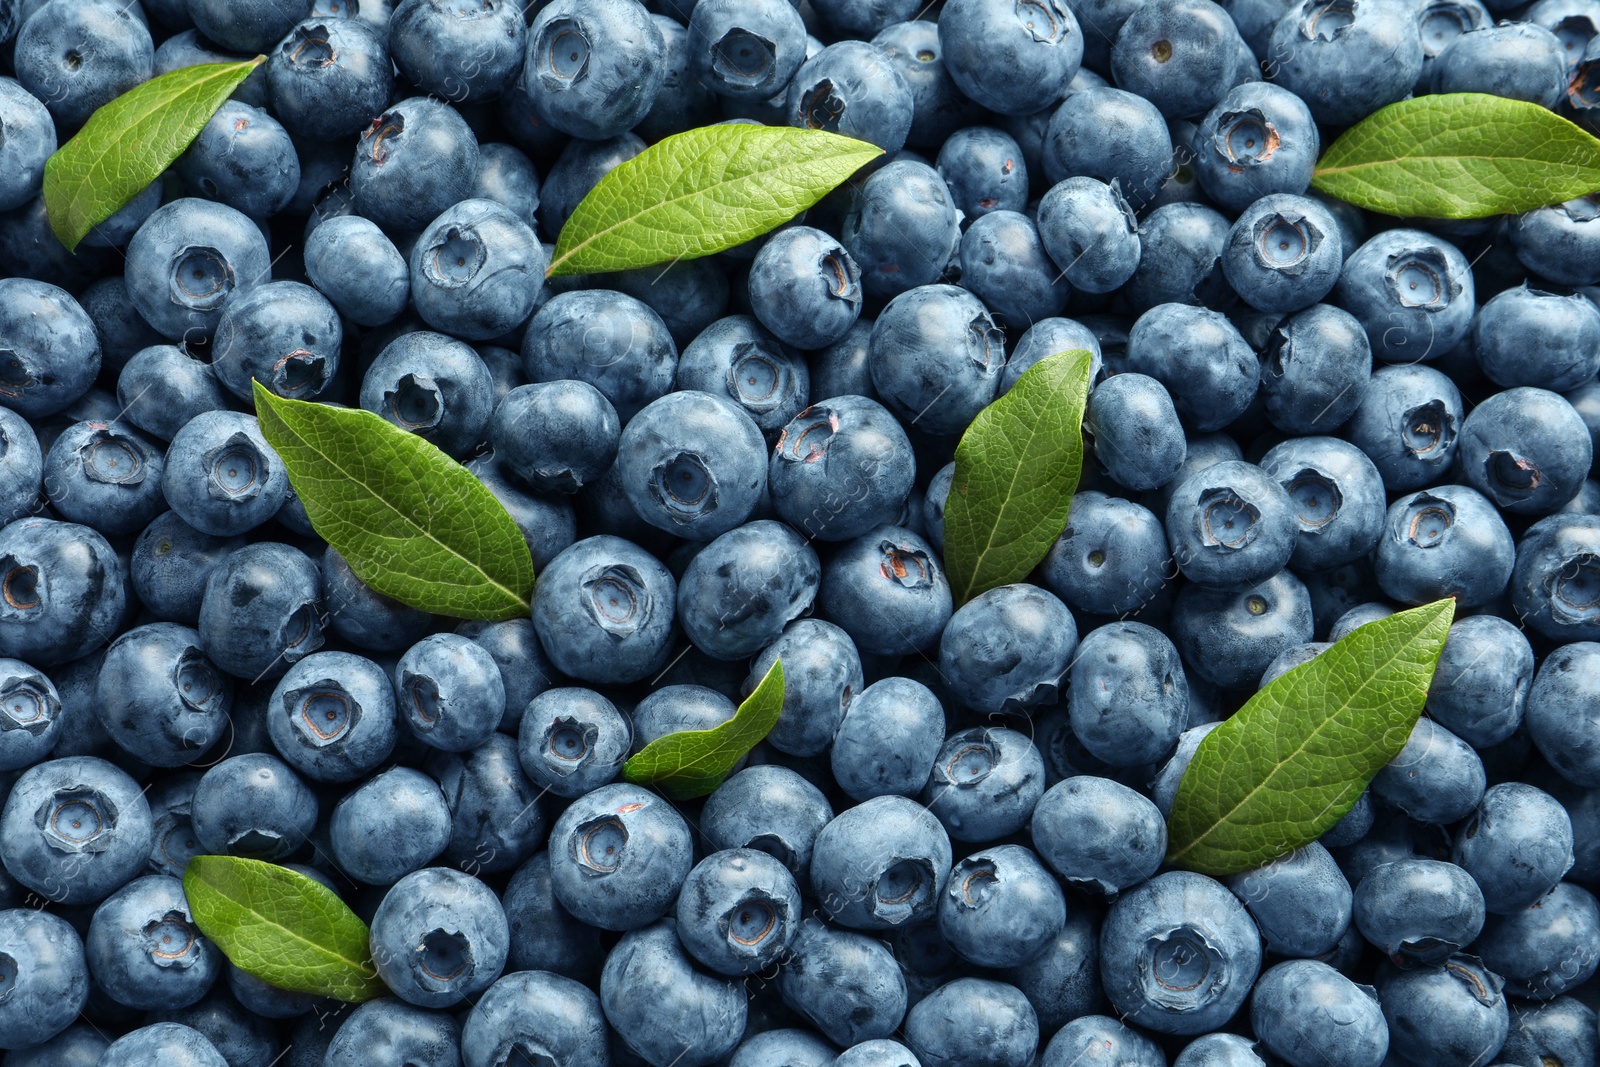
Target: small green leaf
[692,763]
[703,191]
[412,523]
[1017,467]
[126,144]
[282,927]
[1460,156]
[1290,763]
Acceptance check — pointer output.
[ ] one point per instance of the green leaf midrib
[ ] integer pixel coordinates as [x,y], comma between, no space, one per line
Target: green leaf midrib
[489,579]
[1221,819]
[1393,161]
[249,908]
[989,543]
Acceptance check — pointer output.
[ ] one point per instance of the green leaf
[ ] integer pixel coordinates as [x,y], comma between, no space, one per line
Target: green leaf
[412,523]
[1290,763]
[1460,156]
[703,191]
[282,927]
[126,144]
[1017,467]
[692,763]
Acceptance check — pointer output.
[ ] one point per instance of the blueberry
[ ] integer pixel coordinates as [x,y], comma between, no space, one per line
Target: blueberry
[476,271]
[985,783]
[687,296]
[459,52]
[1199,356]
[1452,1012]
[78,1045]
[433,386]
[1315,370]
[674,708]
[1220,1050]
[221,476]
[1007,650]
[618,857]
[578,170]
[805,288]
[846,984]
[572,741]
[902,229]
[1004,262]
[1550,584]
[230,1027]
[1447,541]
[254,806]
[1309,1013]
[1181,246]
[50,354]
[852,88]
[77,56]
[738,911]
[1283,254]
[984,168]
[532,1015]
[1557,1030]
[161,699]
[1179,954]
[1526,449]
[1001,908]
[544,935]
[1128,696]
[31,720]
[1301,901]
[43,975]
[524,670]
[973,1021]
[1111,558]
[1521,61]
[394,823]
[1090,232]
[1258,140]
[357,267]
[840,468]
[1229,637]
[1549,948]
[1442,21]
[496,819]
[283,334]
[260,614]
[329,77]
[64,591]
[610,340]
[163,1042]
[1346,59]
[185,262]
[1516,846]
[1483,681]
[746,50]
[144,949]
[684,101]
[691,463]
[593,67]
[888,591]
[1231,525]
[1337,498]
[248,25]
[1418,911]
[242,157]
[1408,424]
[740,591]
[361,615]
[412,162]
[736,357]
[392,1033]
[1099,835]
[880,1052]
[105,475]
[1411,290]
[1558,242]
[1109,135]
[771,809]
[162,387]
[621,629]
[1063,981]
[888,740]
[1011,58]
[1437,778]
[332,716]
[439,938]
[881,864]
[822,676]
[449,692]
[1178,54]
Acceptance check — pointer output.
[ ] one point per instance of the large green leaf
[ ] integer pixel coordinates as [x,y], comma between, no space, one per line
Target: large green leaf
[1460,156]
[703,191]
[1289,764]
[282,927]
[412,523]
[692,763]
[1017,467]
[126,144]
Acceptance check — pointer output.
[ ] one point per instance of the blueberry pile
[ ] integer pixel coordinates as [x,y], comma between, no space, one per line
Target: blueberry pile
[950,850]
